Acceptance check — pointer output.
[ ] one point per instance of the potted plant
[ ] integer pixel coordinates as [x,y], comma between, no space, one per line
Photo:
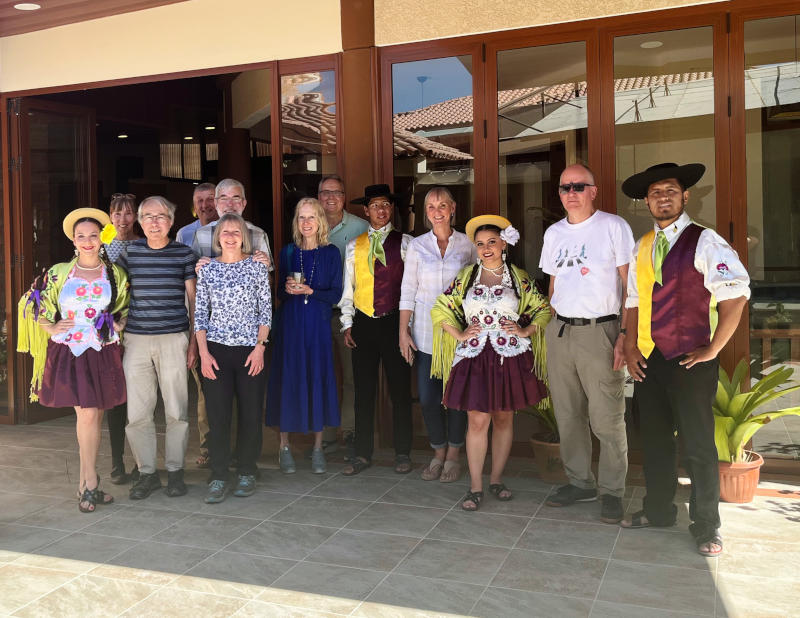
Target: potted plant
[546,444]
[735,422]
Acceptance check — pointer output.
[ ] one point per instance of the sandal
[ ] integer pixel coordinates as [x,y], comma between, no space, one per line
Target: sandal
[451,472]
[497,489]
[101,497]
[710,540]
[203,461]
[637,520]
[472,496]
[402,464]
[89,497]
[433,471]
[359,464]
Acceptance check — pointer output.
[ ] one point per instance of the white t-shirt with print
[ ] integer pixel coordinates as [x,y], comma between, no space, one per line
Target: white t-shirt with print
[584,258]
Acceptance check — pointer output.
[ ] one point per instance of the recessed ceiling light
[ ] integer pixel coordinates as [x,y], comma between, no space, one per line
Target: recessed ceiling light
[188,137]
[651,44]
[210,127]
[27,6]
[123,136]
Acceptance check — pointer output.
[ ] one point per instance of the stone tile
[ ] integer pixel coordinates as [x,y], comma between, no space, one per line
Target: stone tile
[190,503]
[422,493]
[175,559]
[429,594]
[764,518]
[76,567]
[483,528]
[683,521]
[537,571]
[318,511]
[661,546]
[463,562]
[757,557]
[301,482]
[20,584]
[15,538]
[661,587]
[355,488]
[18,507]
[414,521]
[569,537]
[258,609]
[261,505]
[135,523]
[205,531]
[165,603]
[281,540]
[65,515]
[522,483]
[497,602]
[37,482]
[586,512]
[226,567]
[125,573]
[85,594]
[80,546]
[604,609]
[366,550]
[524,503]
[746,596]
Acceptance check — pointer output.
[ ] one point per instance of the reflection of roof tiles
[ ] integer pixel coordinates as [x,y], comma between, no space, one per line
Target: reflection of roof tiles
[408,144]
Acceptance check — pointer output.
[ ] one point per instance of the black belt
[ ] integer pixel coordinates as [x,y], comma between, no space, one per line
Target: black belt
[583,321]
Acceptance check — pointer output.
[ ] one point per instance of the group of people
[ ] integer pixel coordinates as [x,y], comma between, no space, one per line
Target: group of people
[354,294]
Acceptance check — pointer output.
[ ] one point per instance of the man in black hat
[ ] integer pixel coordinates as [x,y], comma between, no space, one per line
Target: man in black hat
[373,273]
[686,292]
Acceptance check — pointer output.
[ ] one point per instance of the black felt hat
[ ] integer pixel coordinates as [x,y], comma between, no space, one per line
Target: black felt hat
[637,185]
[373,191]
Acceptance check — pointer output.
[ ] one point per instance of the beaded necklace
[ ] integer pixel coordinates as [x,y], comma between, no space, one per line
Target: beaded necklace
[302,270]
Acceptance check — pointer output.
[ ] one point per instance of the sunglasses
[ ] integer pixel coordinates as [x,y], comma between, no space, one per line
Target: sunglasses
[578,187]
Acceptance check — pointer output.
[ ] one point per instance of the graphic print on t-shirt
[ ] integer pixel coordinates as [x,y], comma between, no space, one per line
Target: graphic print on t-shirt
[569,257]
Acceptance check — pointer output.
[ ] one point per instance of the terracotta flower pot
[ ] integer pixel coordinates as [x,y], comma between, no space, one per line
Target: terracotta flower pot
[548,460]
[738,481]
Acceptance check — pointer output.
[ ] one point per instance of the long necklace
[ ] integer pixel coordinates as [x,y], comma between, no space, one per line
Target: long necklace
[302,270]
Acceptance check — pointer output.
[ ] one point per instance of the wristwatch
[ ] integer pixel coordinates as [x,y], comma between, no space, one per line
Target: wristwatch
[263,342]
[623,331]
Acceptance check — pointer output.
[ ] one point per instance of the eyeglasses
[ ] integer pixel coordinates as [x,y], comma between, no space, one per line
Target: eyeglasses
[331,193]
[380,205]
[155,218]
[128,196]
[236,200]
[578,187]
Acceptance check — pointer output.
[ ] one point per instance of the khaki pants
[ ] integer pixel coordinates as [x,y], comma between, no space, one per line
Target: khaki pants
[152,362]
[202,415]
[342,360]
[588,393]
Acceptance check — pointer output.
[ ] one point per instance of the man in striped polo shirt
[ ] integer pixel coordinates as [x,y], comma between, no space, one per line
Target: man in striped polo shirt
[159,345]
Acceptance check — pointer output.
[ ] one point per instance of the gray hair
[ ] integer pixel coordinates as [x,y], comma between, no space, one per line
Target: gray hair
[168,206]
[335,177]
[247,243]
[203,186]
[227,183]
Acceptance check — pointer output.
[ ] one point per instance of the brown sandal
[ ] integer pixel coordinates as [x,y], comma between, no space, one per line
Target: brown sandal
[451,472]
[433,471]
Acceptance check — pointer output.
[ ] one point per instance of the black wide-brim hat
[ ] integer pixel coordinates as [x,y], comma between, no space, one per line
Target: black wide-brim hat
[637,185]
[373,191]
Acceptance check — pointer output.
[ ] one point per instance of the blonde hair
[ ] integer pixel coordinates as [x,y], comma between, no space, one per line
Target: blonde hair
[319,213]
[247,243]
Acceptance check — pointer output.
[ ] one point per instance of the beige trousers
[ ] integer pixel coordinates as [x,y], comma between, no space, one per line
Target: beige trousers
[588,395]
[152,362]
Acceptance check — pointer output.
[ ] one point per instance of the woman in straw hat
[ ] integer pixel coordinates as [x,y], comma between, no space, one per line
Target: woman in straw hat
[489,348]
[78,306]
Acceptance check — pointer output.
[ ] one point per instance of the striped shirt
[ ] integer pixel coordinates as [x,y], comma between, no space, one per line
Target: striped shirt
[158,288]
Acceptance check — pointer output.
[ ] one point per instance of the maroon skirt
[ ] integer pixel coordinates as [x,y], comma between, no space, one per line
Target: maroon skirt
[485,385]
[92,380]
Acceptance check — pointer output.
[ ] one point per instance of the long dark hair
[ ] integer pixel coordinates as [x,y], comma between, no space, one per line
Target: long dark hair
[489,227]
[106,330]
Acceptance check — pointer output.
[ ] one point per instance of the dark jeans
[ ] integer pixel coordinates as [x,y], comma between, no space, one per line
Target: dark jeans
[232,379]
[672,398]
[376,340]
[445,425]
[117,418]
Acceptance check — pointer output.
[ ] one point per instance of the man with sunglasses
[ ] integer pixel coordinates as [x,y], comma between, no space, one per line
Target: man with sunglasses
[586,255]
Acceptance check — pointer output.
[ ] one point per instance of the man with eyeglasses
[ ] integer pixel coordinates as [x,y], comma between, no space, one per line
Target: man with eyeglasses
[586,255]
[204,208]
[373,274]
[343,228]
[686,292]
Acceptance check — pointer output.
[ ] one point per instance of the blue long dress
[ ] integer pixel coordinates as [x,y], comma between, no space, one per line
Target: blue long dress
[302,394]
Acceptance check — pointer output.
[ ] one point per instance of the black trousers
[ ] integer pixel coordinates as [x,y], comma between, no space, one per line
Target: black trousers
[232,379]
[377,341]
[672,398]
[117,418]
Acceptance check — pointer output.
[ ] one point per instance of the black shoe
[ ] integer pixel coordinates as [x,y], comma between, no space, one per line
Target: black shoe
[175,485]
[611,510]
[349,446]
[569,494]
[133,477]
[118,476]
[146,484]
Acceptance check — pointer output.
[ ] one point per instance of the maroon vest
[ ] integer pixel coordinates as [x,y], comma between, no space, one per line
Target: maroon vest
[386,294]
[680,315]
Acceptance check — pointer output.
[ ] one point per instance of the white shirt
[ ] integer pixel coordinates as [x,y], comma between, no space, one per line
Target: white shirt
[346,303]
[426,275]
[584,258]
[724,274]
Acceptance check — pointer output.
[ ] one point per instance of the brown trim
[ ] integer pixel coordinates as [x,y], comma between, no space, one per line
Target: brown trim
[375,96]
[277,168]
[312,64]
[358,24]
[8,266]
[340,132]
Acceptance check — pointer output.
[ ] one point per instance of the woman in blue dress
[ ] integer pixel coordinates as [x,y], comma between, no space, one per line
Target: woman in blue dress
[302,394]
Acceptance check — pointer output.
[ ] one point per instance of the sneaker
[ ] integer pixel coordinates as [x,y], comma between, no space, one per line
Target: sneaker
[146,484]
[286,461]
[216,492]
[318,464]
[569,494]
[611,511]
[175,485]
[246,486]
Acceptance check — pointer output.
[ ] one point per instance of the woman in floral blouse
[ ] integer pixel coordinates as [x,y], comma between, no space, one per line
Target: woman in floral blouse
[232,318]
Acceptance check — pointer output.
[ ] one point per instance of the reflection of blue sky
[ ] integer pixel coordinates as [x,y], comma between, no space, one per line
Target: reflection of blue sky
[326,86]
[447,79]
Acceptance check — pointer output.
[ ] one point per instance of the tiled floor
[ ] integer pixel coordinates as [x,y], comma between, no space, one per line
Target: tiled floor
[374,545]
